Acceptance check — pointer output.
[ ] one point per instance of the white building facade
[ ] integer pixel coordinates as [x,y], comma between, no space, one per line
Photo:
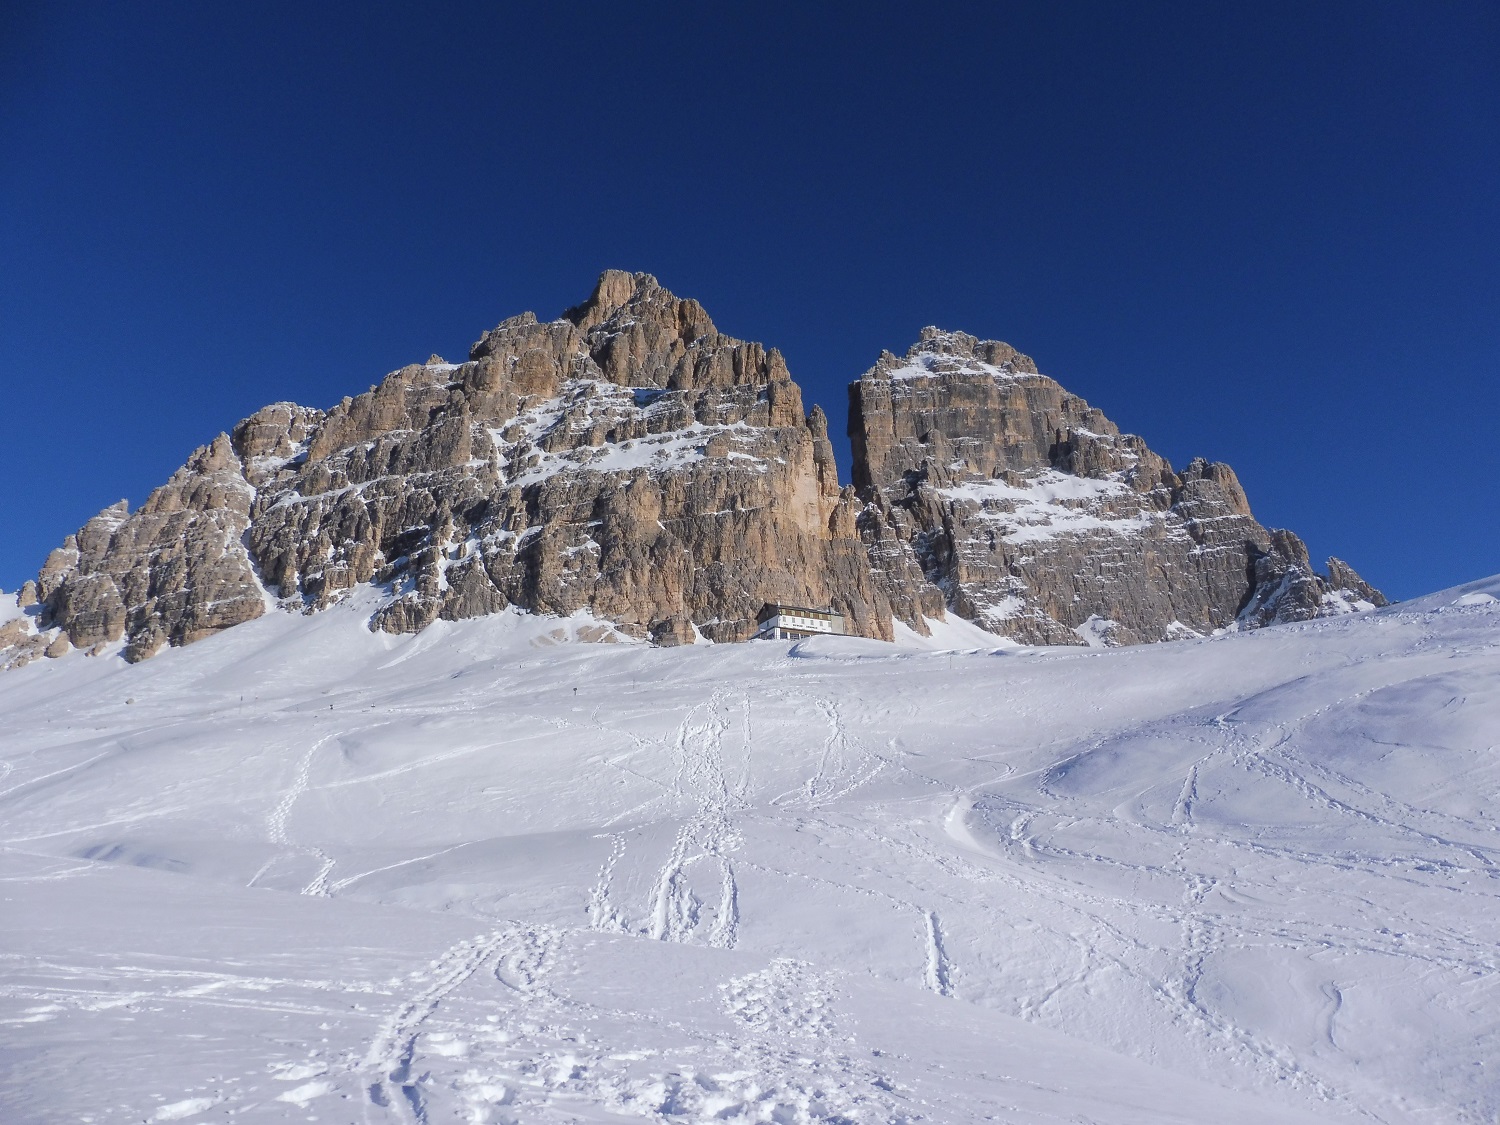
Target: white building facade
[778,622]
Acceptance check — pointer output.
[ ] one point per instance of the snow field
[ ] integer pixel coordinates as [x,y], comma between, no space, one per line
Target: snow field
[314,873]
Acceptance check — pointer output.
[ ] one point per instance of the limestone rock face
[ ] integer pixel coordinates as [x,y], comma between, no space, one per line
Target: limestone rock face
[1030,514]
[630,460]
[20,643]
[627,459]
[173,572]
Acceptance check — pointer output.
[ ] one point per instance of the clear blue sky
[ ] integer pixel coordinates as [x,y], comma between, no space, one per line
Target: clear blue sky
[1265,233]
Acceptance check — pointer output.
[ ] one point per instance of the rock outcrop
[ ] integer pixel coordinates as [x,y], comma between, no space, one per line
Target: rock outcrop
[1030,514]
[630,460]
[173,572]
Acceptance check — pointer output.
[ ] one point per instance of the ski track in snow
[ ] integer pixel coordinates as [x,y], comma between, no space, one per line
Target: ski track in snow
[54,775]
[534,1052]
[277,832]
[707,835]
[1205,932]
[394,1088]
[939,972]
[603,917]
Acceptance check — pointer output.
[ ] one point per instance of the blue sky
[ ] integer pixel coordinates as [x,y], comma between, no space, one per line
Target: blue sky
[1268,234]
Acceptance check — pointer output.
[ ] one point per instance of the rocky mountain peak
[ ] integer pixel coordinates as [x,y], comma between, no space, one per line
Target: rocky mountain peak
[629,461]
[626,460]
[613,292]
[1038,519]
[935,342]
[622,302]
[634,333]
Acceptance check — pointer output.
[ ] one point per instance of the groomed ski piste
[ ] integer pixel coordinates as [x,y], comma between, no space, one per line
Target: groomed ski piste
[301,871]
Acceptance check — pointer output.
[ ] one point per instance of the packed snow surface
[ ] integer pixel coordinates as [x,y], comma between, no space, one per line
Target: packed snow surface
[490,873]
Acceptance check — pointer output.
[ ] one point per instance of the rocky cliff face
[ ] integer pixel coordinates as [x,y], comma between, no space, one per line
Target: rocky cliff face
[630,460]
[626,458]
[1030,514]
[175,571]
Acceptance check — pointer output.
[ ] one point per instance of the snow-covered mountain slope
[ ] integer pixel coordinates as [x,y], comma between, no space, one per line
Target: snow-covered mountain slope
[491,873]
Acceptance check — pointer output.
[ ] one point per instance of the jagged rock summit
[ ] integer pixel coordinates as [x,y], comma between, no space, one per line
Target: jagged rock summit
[630,460]
[1034,517]
[627,459]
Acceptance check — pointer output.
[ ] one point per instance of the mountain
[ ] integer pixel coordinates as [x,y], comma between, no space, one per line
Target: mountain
[1039,520]
[483,873]
[631,460]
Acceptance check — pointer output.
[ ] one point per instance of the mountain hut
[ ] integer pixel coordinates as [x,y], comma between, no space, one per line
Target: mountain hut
[777,622]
